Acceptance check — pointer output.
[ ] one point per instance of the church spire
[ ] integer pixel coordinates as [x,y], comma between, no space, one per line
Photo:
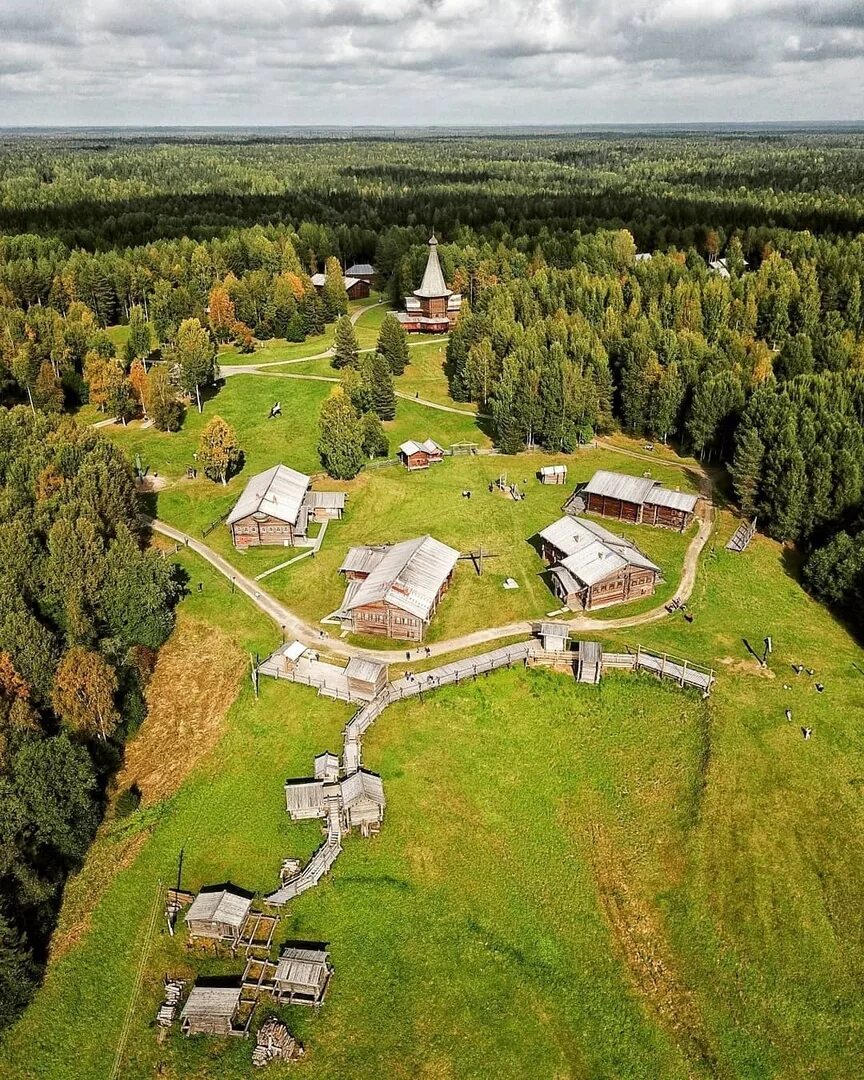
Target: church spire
[433,284]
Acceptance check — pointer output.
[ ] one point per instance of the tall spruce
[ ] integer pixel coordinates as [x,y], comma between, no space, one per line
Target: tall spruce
[345,347]
[393,343]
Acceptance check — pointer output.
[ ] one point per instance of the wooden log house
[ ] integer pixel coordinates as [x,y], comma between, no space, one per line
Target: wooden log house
[364,272]
[366,678]
[211,1010]
[275,507]
[394,590]
[553,474]
[637,499]
[363,802]
[593,568]
[302,975]
[414,455]
[356,288]
[217,915]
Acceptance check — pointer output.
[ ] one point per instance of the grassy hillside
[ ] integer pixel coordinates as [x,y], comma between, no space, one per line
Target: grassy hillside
[621,881]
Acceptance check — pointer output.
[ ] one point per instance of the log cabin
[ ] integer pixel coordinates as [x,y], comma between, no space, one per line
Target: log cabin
[217,915]
[363,272]
[553,474]
[414,455]
[275,507]
[592,568]
[394,590]
[211,1010]
[637,499]
[302,975]
[363,801]
[433,308]
[366,678]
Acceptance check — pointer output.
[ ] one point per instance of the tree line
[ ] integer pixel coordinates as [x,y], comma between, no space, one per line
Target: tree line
[84,608]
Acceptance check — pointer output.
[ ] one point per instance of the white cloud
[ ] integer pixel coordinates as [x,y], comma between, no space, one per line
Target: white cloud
[428,61]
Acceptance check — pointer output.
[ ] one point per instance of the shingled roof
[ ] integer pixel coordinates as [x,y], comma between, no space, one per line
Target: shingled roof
[408,575]
[433,283]
[278,492]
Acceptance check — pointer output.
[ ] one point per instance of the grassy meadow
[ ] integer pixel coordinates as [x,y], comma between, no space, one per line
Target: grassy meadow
[622,881]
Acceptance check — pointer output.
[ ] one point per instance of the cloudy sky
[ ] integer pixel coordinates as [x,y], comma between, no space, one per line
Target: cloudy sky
[429,61]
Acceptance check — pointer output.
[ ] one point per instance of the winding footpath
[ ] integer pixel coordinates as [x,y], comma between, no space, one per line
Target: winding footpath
[294,626]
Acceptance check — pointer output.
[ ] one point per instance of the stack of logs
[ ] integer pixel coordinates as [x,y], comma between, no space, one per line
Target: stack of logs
[275,1043]
[170,1001]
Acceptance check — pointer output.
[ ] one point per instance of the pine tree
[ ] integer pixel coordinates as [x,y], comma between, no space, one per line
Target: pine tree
[382,396]
[334,298]
[341,437]
[747,468]
[373,436]
[393,343]
[218,450]
[345,347]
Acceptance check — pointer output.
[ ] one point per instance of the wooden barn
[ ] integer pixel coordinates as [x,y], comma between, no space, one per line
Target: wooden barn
[394,590]
[554,636]
[275,508]
[593,568]
[356,288]
[637,499]
[302,975]
[366,678]
[433,308]
[414,455]
[363,801]
[553,474]
[217,915]
[211,1010]
[363,272]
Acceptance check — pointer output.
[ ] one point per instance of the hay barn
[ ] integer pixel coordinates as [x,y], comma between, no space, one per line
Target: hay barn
[637,499]
[211,1010]
[414,455]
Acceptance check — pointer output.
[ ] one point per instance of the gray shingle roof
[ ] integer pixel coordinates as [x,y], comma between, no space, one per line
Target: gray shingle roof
[365,670]
[306,793]
[220,906]
[591,552]
[212,1001]
[407,575]
[676,500]
[360,270]
[620,486]
[361,785]
[278,492]
[433,283]
[301,967]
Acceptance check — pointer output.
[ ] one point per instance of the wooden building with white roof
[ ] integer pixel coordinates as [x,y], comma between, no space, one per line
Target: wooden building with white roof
[394,590]
[637,499]
[275,507]
[592,568]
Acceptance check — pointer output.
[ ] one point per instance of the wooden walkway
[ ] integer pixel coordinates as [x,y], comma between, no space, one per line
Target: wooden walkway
[683,672]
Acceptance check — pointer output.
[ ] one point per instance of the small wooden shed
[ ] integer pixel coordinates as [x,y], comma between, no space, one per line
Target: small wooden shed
[302,975]
[554,636]
[363,801]
[327,766]
[211,1010]
[414,455]
[553,474]
[217,915]
[366,678]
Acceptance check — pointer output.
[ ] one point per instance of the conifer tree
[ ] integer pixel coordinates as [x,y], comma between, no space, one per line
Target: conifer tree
[393,343]
[373,436]
[341,437]
[139,344]
[334,298]
[345,347]
[747,468]
[379,379]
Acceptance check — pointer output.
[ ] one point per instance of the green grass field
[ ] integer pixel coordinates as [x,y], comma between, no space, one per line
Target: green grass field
[391,504]
[621,881]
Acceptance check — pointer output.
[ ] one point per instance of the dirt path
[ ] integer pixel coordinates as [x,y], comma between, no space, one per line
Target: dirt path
[292,625]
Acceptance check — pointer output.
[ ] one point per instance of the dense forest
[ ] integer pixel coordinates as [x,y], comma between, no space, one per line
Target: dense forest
[700,288]
[83,609]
